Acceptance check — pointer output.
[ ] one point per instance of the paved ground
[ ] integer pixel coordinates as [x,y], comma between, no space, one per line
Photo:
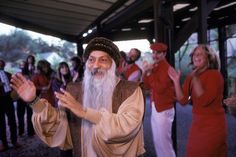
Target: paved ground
[33,147]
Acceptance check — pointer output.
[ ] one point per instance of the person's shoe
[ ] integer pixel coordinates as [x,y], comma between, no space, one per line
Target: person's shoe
[16,145]
[3,148]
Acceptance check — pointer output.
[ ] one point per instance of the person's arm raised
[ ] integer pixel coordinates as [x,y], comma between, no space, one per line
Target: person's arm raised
[24,88]
[51,128]
[175,77]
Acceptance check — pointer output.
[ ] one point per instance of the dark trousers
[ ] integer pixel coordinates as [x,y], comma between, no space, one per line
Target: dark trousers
[7,108]
[23,108]
[66,153]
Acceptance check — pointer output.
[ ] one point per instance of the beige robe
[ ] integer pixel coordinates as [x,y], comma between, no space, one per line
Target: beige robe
[114,134]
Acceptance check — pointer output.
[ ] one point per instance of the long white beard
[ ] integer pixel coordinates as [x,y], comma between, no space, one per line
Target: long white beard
[97,94]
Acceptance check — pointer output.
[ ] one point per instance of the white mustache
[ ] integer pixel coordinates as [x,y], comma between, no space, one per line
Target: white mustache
[97,70]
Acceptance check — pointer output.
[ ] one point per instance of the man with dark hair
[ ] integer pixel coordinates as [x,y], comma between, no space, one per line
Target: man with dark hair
[6,108]
[104,113]
[130,70]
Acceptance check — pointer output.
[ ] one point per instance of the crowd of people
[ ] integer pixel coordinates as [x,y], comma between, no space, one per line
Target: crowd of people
[96,108]
[46,81]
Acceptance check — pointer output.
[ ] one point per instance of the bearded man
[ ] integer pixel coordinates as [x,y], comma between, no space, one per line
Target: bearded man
[128,69]
[102,115]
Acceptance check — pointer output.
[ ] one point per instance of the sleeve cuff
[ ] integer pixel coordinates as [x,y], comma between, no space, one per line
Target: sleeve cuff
[36,99]
[38,106]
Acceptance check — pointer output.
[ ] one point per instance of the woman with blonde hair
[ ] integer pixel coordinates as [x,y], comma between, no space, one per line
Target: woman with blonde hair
[205,86]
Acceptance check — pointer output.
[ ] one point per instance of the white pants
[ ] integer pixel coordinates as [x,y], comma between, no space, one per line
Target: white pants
[161,123]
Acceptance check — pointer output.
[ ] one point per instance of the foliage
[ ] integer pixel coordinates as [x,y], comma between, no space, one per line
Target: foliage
[18,45]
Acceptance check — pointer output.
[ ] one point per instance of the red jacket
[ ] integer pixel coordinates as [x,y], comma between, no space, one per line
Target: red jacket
[161,86]
[131,69]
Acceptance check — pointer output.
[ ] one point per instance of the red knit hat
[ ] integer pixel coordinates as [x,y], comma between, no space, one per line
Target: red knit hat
[160,47]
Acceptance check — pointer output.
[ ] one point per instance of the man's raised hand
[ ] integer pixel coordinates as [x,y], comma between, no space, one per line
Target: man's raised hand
[24,88]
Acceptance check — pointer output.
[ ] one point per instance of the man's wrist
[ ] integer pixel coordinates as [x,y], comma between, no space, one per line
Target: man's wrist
[34,101]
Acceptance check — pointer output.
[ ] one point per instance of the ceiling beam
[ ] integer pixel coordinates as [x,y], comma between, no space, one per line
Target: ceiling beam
[127,14]
[202,28]
[97,22]
[119,19]
[129,35]
[191,26]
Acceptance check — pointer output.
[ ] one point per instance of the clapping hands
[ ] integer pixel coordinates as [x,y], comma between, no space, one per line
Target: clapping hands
[68,101]
[146,67]
[174,75]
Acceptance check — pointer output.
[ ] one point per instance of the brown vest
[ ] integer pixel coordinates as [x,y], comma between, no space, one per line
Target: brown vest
[123,90]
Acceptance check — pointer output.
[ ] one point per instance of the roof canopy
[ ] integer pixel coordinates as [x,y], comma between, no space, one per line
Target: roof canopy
[118,19]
